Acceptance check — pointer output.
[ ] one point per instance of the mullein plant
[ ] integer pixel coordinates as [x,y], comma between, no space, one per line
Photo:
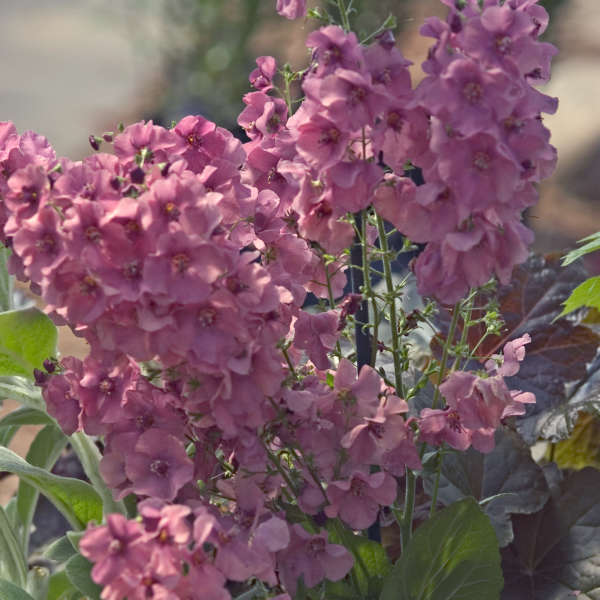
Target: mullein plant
[252,446]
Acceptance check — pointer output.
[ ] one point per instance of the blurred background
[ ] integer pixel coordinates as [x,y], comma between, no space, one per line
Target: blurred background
[70,68]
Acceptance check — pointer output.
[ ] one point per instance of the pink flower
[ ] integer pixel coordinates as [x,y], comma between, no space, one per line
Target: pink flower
[311,557]
[320,141]
[115,548]
[333,48]
[317,334]
[262,77]
[61,394]
[357,500]
[478,401]
[368,440]
[513,353]
[291,9]
[439,426]
[158,465]
[349,98]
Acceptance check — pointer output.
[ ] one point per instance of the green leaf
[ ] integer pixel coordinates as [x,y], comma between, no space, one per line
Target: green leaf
[60,550]
[556,552]
[454,555]
[6,302]
[591,244]
[7,434]
[27,338]
[371,563]
[11,513]
[9,591]
[60,586]
[90,456]
[43,452]
[21,391]
[78,570]
[38,582]
[374,558]
[507,478]
[586,294]
[26,416]
[75,537]
[340,590]
[76,500]
[13,564]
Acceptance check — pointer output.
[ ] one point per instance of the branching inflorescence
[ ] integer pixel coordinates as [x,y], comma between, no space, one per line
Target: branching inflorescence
[184,259]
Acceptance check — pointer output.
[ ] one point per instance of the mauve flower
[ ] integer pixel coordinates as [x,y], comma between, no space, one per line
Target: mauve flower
[333,48]
[262,77]
[438,426]
[183,268]
[317,334]
[115,548]
[311,557]
[151,142]
[357,500]
[368,440]
[39,244]
[469,98]
[513,353]
[203,582]
[159,465]
[320,141]
[291,9]
[478,401]
[62,392]
[349,98]
[351,184]
[28,188]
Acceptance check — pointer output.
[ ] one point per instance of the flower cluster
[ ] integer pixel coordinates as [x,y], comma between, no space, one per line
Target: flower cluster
[327,150]
[487,145]
[342,431]
[476,405]
[184,259]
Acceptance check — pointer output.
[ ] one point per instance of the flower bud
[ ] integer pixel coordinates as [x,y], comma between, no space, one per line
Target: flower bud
[40,377]
[95,142]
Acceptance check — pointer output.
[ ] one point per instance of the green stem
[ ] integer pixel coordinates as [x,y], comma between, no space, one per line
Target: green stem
[279,468]
[465,331]
[360,283]
[447,345]
[436,485]
[6,281]
[314,476]
[288,360]
[368,287]
[389,282]
[409,507]
[343,15]
[287,95]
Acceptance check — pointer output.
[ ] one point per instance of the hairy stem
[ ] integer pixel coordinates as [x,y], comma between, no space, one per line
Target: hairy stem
[447,345]
[389,282]
[361,318]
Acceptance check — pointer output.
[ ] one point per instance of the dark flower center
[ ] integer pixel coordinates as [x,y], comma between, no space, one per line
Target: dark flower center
[472,92]
[503,44]
[482,161]
[93,233]
[315,547]
[159,467]
[180,262]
